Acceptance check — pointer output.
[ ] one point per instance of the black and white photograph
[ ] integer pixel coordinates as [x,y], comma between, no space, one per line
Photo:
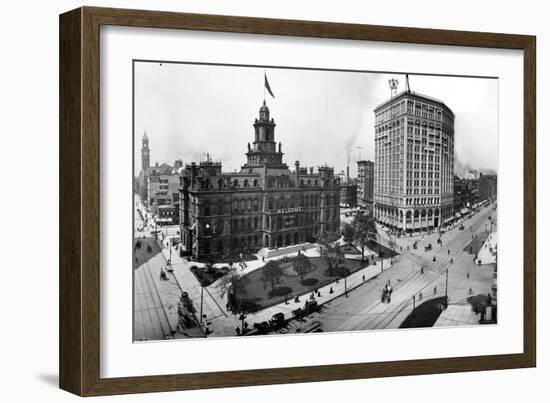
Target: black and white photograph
[275,201]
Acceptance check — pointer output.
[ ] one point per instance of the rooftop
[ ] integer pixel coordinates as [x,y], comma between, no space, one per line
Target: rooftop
[415,95]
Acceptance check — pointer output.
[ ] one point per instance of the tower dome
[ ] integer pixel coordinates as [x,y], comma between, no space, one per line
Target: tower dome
[264,112]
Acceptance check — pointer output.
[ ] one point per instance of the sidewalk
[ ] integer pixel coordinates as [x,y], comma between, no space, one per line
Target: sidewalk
[457,315]
[488,252]
[224,323]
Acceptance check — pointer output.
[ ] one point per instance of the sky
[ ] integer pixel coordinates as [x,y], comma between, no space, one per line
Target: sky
[189,110]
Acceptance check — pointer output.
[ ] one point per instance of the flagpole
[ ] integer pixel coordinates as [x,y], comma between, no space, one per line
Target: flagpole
[264,85]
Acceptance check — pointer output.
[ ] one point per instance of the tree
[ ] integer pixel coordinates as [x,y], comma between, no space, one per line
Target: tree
[301,264]
[332,254]
[272,272]
[234,286]
[364,229]
[348,233]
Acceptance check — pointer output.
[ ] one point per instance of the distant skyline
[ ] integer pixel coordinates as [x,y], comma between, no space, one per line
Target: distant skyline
[322,116]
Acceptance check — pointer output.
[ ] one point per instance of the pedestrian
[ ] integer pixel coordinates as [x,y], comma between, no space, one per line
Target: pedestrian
[449,252]
[489,299]
[238,330]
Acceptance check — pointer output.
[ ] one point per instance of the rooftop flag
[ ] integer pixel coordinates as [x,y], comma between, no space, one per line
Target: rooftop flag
[267,87]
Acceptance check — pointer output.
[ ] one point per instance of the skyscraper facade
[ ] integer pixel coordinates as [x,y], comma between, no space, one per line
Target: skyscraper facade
[414,163]
[365,184]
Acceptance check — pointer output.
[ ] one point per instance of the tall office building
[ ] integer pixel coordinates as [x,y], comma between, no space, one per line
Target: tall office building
[365,184]
[414,161]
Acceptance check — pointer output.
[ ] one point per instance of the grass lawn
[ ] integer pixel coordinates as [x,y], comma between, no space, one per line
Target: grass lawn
[207,276]
[481,238]
[144,253]
[246,257]
[384,252]
[349,250]
[259,293]
[425,314]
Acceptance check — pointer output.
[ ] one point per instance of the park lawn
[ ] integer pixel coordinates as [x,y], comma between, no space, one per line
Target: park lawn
[349,250]
[207,276]
[141,255]
[258,296]
[384,251]
[425,314]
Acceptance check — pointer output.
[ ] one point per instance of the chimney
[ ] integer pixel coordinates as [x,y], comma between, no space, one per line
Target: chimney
[347,174]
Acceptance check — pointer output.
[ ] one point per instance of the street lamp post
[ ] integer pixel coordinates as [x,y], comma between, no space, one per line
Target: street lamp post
[446,285]
[381,258]
[345,281]
[202,295]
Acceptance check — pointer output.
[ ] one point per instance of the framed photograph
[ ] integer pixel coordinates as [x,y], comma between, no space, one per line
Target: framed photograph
[249,201]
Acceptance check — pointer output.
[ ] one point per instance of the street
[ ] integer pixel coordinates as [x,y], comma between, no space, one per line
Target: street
[363,309]
[446,269]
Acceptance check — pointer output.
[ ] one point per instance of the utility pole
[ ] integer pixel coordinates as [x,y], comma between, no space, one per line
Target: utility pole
[345,284]
[202,293]
[381,258]
[446,285]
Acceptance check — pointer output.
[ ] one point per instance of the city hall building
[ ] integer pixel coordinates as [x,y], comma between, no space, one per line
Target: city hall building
[414,162]
[265,204]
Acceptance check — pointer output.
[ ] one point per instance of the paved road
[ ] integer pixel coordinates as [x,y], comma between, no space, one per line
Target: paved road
[363,309]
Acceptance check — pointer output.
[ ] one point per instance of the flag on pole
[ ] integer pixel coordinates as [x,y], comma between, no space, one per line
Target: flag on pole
[267,87]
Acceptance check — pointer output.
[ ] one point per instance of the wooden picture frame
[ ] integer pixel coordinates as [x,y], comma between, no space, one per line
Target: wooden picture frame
[79,348]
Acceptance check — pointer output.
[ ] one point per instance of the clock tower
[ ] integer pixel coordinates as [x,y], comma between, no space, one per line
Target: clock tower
[145,152]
